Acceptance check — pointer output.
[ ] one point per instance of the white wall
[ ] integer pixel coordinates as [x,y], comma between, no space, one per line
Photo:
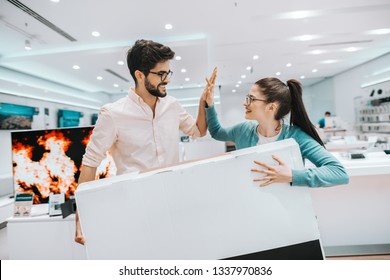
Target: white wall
[345,87]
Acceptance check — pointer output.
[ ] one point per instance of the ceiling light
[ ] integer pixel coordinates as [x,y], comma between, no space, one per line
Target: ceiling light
[248,68]
[183,70]
[382,31]
[277,73]
[288,65]
[255,57]
[76,67]
[302,77]
[120,62]
[305,38]
[168,26]
[317,52]
[27,45]
[314,70]
[95,34]
[237,85]
[239,82]
[298,14]
[187,79]
[329,61]
[178,57]
[115,85]
[243,76]
[351,49]
[233,90]
[55,1]
[99,78]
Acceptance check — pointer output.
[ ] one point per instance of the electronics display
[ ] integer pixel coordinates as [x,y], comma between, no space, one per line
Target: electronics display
[49,161]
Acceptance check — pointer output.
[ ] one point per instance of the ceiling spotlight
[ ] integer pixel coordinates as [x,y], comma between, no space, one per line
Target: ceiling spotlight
[314,70]
[183,70]
[27,45]
[76,67]
[99,78]
[168,26]
[277,73]
[302,77]
[243,76]
[115,85]
[187,79]
[248,68]
[178,57]
[95,34]
[233,90]
[120,62]
[288,65]
[255,57]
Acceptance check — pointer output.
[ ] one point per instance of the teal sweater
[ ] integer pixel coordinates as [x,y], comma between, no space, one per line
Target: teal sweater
[329,171]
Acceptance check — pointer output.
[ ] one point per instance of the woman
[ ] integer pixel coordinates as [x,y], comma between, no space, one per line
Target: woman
[268,102]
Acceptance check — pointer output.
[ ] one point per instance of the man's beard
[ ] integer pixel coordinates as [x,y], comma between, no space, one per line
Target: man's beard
[154,90]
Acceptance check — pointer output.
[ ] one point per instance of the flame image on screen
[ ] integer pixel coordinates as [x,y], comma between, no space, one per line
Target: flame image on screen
[50,162]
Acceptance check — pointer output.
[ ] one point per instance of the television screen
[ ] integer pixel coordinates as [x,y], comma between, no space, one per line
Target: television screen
[49,161]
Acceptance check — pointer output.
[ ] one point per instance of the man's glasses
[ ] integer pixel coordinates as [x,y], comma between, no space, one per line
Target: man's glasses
[163,74]
[249,99]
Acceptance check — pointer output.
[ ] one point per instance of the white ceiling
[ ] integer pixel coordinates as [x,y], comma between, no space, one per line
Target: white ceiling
[205,33]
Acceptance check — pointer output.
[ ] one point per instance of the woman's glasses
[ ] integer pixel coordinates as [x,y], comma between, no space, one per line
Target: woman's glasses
[249,99]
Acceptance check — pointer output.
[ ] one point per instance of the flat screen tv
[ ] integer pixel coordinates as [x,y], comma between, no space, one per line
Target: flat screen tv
[49,161]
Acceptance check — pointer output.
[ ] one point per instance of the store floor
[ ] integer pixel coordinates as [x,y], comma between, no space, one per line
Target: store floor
[5,256]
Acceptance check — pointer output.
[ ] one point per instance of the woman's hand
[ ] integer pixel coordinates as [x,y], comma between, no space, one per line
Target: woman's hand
[273,174]
[208,92]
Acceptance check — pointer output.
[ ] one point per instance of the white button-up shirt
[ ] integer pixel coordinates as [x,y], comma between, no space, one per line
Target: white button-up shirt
[135,139]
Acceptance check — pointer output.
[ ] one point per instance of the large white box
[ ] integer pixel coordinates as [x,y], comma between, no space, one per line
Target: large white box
[208,209]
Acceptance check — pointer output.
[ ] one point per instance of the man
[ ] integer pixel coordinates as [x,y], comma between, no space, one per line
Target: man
[141,130]
[321,122]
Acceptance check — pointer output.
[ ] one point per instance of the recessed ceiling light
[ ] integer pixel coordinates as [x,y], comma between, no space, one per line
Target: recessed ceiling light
[305,37]
[288,65]
[351,49]
[329,61]
[298,14]
[120,62]
[317,52]
[239,82]
[233,90]
[178,57]
[248,68]
[277,73]
[302,77]
[55,1]
[382,31]
[255,57]
[237,85]
[76,67]
[187,79]
[183,70]
[314,70]
[243,76]
[168,26]
[115,85]
[95,34]
[198,85]
[99,78]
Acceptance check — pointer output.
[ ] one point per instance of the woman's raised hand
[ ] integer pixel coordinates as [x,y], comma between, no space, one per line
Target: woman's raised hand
[208,92]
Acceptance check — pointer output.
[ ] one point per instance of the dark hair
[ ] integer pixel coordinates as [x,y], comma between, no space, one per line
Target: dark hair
[145,54]
[289,98]
[327,113]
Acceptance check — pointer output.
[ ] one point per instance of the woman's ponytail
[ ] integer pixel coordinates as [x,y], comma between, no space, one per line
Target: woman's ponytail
[299,115]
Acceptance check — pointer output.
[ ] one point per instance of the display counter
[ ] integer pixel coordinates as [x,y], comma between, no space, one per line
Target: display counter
[354,219]
[43,238]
